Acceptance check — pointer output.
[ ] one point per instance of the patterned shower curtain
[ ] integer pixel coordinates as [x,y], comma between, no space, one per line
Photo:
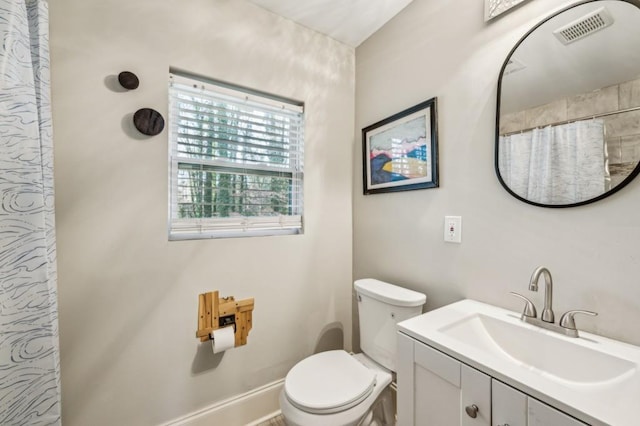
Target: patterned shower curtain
[561,164]
[29,352]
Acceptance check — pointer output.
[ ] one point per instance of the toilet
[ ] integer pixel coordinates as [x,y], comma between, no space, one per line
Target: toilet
[335,388]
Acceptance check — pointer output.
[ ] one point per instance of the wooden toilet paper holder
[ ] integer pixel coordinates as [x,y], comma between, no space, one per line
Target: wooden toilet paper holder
[216,312]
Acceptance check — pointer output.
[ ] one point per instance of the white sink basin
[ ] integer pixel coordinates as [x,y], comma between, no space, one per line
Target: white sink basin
[558,357]
[590,377]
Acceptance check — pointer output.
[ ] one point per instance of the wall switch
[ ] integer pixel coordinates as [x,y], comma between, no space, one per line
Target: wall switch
[453,229]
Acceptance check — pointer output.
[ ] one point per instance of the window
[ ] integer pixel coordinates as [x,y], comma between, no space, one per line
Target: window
[236,162]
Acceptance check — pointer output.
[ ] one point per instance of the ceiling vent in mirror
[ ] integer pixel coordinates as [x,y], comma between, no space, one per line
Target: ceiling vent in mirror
[582,27]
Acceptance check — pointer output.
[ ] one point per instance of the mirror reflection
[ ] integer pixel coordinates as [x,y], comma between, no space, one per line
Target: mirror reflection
[568,130]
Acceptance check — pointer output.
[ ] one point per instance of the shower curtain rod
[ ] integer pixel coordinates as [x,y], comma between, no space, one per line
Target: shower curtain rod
[588,117]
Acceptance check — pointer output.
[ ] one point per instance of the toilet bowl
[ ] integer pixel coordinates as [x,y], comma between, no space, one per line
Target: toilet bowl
[344,391]
[335,388]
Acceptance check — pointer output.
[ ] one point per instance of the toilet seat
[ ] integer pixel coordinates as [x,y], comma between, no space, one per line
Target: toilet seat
[328,382]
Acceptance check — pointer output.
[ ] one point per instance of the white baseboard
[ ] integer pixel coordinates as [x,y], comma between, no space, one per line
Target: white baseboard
[265,418]
[248,408]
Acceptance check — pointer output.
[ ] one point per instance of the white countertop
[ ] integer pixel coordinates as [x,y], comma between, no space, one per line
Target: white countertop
[602,401]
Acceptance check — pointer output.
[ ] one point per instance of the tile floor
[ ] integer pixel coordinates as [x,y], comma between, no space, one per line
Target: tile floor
[275,421]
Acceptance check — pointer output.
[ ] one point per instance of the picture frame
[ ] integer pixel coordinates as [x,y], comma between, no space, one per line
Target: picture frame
[400,153]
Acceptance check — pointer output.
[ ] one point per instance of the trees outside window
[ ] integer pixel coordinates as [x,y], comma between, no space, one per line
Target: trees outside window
[236,159]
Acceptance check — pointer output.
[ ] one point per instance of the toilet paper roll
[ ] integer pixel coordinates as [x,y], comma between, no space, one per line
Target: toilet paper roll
[223,339]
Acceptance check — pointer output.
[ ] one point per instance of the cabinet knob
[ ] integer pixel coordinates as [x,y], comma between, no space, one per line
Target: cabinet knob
[472,410]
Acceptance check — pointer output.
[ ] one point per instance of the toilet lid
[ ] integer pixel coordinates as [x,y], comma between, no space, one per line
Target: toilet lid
[328,382]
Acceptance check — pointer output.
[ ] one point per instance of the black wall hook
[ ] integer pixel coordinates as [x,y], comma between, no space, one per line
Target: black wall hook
[128,80]
[148,121]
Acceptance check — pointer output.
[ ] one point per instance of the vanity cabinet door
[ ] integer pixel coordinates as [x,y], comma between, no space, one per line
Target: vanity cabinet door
[437,381]
[508,406]
[476,397]
[435,389]
[541,414]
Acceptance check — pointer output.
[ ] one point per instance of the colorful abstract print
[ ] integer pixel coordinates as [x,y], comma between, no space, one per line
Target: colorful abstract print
[400,153]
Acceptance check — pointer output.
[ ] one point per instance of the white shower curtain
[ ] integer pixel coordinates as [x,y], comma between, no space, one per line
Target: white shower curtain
[29,351]
[563,164]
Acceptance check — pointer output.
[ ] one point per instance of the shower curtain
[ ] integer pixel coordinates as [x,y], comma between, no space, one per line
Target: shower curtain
[562,164]
[29,352]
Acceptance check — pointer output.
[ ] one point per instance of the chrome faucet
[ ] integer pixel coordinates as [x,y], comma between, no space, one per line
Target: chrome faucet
[567,325]
[547,311]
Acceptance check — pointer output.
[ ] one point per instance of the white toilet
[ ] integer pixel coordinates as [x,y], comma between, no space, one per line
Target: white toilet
[335,388]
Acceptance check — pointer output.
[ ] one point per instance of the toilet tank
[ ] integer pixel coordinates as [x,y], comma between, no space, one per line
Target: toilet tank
[380,307]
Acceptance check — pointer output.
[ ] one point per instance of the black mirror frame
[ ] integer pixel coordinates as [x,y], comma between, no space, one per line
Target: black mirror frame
[610,192]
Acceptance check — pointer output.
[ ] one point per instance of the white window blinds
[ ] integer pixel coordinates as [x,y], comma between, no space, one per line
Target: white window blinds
[236,162]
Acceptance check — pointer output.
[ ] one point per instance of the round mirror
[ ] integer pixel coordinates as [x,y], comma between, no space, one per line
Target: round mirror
[568,119]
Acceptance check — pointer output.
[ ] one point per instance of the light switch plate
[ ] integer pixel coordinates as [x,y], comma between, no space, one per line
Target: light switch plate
[453,229]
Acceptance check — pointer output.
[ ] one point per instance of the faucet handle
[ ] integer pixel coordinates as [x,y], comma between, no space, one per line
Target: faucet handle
[567,320]
[529,308]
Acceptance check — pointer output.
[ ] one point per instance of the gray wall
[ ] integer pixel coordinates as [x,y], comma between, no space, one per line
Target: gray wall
[128,297]
[441,48]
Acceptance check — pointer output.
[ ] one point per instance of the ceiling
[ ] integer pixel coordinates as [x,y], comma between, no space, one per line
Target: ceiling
[549,70]
[348,21]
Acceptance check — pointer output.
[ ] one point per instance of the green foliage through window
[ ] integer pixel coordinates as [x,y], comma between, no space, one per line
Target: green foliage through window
[234,156]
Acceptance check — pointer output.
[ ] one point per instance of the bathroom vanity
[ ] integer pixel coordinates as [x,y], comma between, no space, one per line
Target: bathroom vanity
[470,363]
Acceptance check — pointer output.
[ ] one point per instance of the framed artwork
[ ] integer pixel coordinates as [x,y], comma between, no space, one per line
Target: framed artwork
[400,153]
[493,8]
